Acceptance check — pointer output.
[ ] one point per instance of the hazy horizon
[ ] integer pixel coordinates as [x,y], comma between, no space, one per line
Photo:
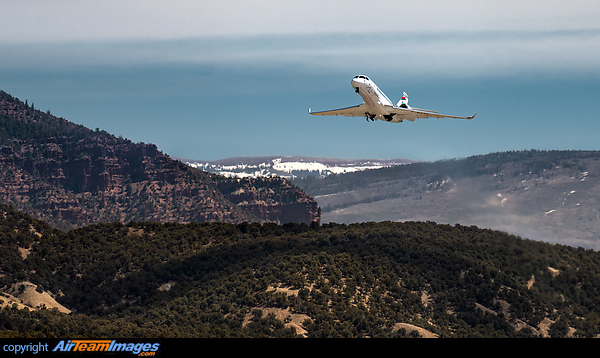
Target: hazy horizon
[217,80]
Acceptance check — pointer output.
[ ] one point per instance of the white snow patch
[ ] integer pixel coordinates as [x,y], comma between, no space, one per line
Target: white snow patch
[293,168]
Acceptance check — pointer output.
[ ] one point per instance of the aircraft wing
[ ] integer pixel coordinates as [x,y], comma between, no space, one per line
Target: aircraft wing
[355,111]
[411,114]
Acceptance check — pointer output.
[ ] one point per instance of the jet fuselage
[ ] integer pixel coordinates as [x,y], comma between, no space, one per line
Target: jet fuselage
[374,98]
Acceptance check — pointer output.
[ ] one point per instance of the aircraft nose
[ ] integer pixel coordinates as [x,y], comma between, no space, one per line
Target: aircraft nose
[359,80]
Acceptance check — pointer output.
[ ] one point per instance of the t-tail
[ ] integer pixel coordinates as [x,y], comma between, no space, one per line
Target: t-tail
[403,103]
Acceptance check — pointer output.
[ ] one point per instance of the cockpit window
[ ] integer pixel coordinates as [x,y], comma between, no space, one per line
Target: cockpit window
[363,77]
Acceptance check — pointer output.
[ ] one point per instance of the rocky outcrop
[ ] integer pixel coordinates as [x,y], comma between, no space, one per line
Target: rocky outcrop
[70,176]
[271,199]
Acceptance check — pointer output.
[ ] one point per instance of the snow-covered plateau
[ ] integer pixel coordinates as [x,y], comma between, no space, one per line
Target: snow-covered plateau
[290,167]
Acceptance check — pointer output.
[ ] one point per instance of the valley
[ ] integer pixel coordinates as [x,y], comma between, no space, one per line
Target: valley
[551,196]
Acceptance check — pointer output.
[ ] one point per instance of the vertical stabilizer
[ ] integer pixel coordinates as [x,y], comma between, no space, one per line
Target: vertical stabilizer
[403,103]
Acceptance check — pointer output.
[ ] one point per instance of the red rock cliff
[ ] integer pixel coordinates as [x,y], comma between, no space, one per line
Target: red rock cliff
[71,176]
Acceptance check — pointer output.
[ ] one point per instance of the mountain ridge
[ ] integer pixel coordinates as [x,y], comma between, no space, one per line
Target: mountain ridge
[70,176]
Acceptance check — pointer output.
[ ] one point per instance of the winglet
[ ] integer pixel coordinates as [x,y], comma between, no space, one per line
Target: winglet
[473,116]
[309,111]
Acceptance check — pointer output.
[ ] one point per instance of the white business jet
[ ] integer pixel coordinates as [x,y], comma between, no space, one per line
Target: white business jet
[378,106]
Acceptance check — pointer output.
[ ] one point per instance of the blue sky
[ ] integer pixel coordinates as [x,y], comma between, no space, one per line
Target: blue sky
[211,80]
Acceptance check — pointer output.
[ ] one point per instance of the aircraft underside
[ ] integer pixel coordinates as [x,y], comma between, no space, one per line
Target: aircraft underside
[384,117]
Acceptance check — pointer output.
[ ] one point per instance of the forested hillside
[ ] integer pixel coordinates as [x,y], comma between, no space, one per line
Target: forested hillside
[551,196]
[71,176]
[266,280]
